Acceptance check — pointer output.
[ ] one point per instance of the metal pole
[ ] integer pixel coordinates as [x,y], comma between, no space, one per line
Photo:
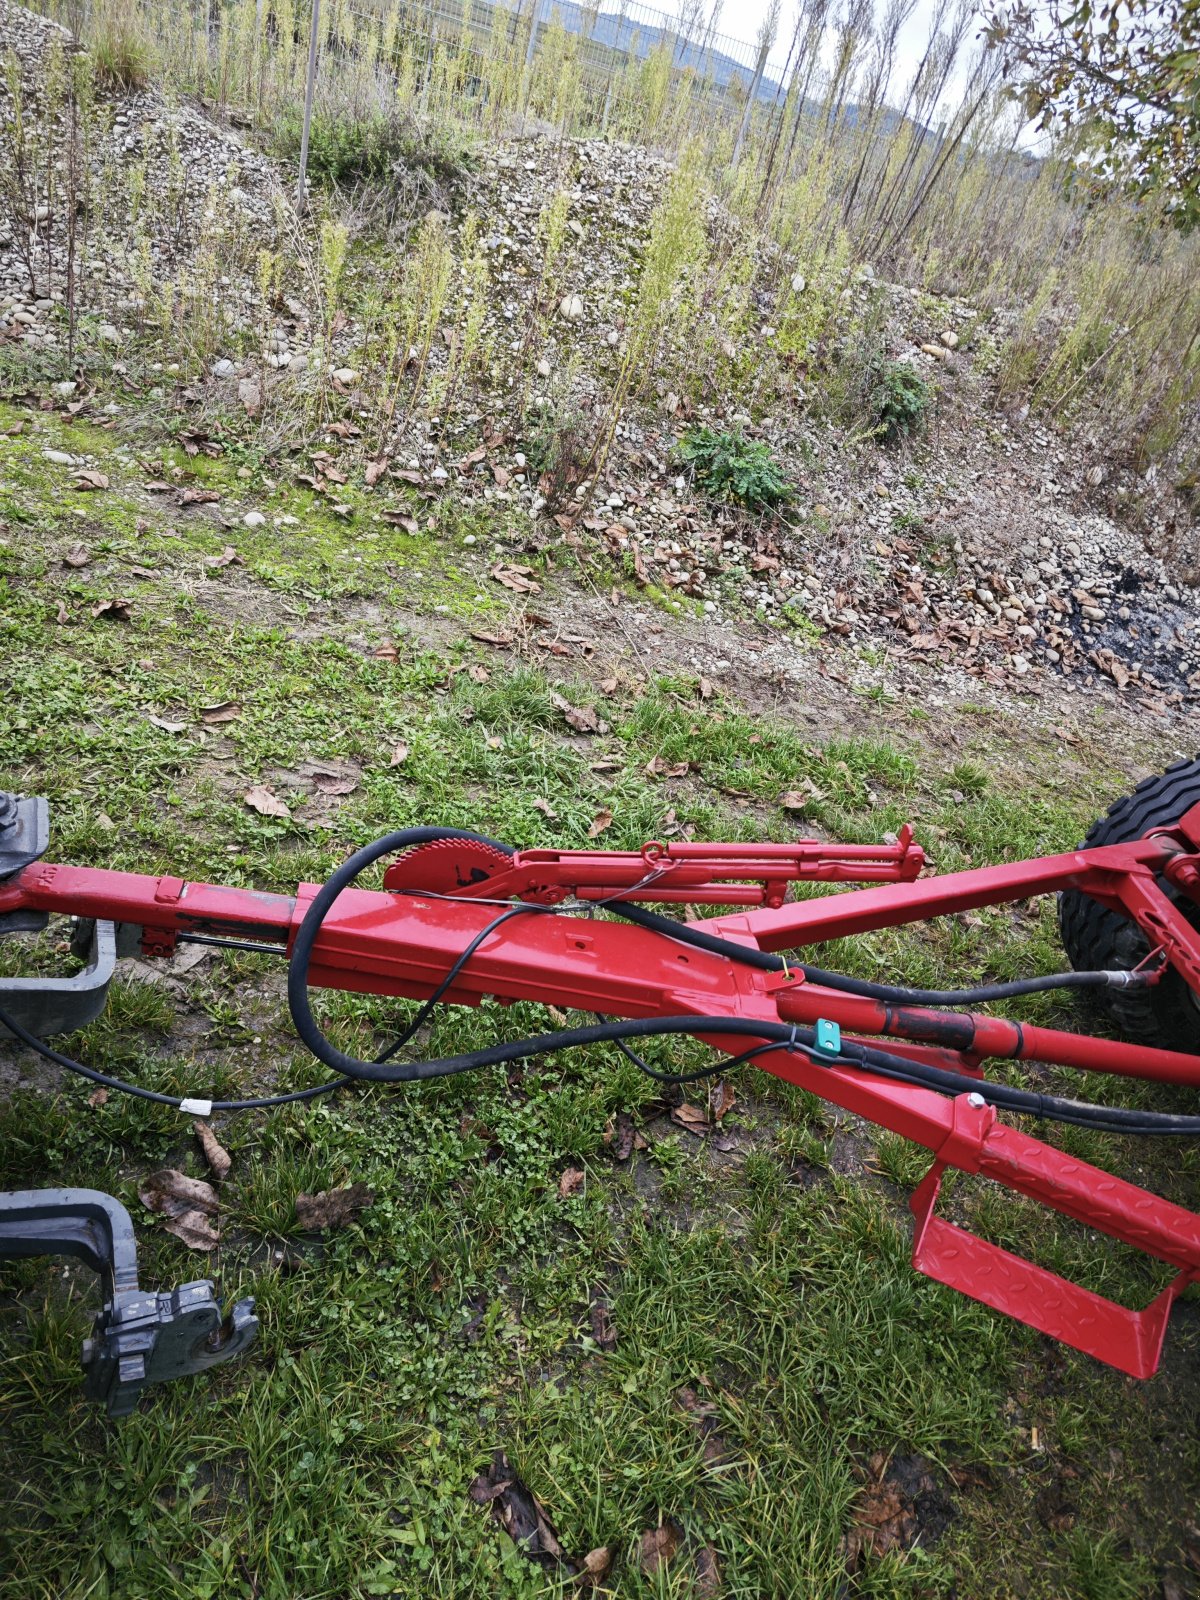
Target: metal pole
[314,33]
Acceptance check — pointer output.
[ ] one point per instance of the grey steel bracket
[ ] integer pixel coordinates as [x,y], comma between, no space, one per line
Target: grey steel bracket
[139,1336]
[61,1005]
[24,831]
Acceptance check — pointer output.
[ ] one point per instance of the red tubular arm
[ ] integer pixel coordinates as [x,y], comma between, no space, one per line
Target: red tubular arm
[404,944]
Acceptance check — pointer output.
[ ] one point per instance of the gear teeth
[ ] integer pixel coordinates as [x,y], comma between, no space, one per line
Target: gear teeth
[445,866]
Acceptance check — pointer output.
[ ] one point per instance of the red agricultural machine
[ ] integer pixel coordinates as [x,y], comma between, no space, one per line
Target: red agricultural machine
[460,917]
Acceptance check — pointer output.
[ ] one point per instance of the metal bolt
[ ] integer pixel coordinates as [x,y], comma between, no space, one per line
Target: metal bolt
[976,1102]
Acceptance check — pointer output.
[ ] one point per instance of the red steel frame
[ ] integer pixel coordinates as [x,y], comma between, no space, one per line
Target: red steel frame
[388,943]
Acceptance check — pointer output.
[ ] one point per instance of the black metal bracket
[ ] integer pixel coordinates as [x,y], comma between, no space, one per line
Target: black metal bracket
[139,1337]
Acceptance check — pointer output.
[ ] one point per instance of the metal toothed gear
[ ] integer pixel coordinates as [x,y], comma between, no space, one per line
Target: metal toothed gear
[446,866]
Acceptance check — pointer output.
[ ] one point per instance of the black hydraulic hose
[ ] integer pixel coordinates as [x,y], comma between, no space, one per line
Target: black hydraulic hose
[766,962]
[297,985]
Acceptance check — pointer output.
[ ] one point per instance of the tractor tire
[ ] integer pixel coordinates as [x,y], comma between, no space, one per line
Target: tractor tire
[1167,1014]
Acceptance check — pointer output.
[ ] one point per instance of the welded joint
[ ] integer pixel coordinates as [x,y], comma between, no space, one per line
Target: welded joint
[972,1120]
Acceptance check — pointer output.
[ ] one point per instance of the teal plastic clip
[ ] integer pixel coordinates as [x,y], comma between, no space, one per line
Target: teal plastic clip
[829,1038]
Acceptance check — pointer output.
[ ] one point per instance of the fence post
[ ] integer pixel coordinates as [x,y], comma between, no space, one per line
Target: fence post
[314,32]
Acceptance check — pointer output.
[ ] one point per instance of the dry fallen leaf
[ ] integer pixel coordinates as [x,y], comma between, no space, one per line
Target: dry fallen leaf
[657,1546]
[500,640]
[186,1203]
[198,497]
[800,799]
[399,754]
[604,1329]
[228,558]
[333,1208]
[582,718]
[570,1182]
[602,819]
[223,711]
[114,610]
[375,471]
[595,1564]
[401,519]
[722,1100]
[693,1118]
[167,727]
[545,808]
[86,479]
[334,783]
[517,579]
[518,1511]
[708,1573]
[261,799]
[215,1152]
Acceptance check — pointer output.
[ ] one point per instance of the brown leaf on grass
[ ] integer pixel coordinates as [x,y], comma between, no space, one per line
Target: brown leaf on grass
[186,1203]
[518,1511]
[693,1118]
[622,1138]
[198,497]
[333,1208]
[261,799]
[545,808]
[800,799]
[658,1545]
[86,479]
[406,475]
[215,1152]
[901,1502]
[570,1182]
[223,711]
[500,640]
[595,1564]
[604,1329]
[708,1573]
[228,558]
[610,685]
[334,783]
[113,610]
[473,459]
[401,519]
[77,556]
[721,1100]
[157,486]
[583,719]
[195,1230]
[517,579]
[167,727]
[656,767]
[601,821]
[375,471]
[399,754]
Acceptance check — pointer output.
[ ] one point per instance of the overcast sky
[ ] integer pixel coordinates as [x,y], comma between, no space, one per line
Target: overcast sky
[741,19]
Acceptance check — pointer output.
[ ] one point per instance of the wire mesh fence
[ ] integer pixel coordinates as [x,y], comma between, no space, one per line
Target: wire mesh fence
[605,44]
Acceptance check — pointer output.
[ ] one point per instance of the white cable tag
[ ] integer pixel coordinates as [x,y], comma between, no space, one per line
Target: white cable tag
[196,1108]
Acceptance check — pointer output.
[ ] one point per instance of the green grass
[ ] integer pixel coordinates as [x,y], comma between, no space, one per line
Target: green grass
[453,1318]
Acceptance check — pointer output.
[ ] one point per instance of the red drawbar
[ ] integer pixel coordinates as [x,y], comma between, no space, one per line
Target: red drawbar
[403,943]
